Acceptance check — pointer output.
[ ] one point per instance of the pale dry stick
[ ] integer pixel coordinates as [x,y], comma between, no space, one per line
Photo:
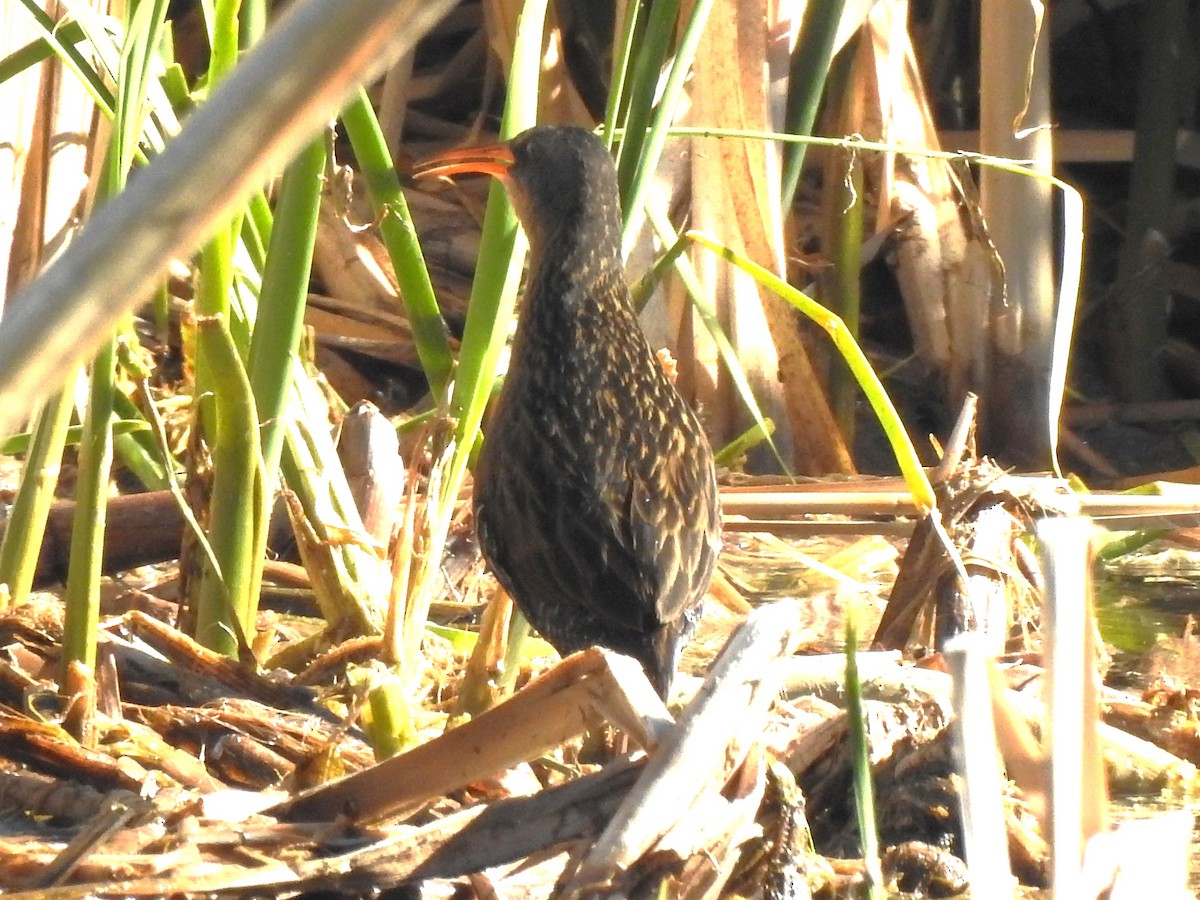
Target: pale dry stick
[712,738]
[110,819]
[1078,790]
[1180,507]
[984,834]
[547,712]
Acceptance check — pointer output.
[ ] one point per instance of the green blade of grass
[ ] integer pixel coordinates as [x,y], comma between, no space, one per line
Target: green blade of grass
[400,239]
[664,115]
[622,62]
[22,442]
[644,64]
[283,296]
[501,256]
[864,788]
[138,56]
[81,596]
[134,445]
[27,520]
[901,444]
[806,82]
[227,601]
[493,296]
[1072,239]
[744,443]
[72,58]
[68,35]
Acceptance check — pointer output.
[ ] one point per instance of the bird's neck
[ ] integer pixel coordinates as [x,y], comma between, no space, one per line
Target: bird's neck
[576,300]
[571,262]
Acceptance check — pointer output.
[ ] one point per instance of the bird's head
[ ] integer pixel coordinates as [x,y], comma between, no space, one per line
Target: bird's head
[558,178]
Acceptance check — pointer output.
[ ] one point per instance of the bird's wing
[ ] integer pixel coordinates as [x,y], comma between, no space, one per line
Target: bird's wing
[557,547]
[676,541]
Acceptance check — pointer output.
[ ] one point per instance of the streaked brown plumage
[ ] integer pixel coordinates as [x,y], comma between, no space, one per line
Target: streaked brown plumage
[595,494]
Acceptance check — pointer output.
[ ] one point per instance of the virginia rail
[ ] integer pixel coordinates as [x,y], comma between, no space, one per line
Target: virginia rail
[595,495]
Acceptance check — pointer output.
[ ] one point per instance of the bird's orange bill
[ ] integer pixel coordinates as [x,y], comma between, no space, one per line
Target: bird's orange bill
[491,160]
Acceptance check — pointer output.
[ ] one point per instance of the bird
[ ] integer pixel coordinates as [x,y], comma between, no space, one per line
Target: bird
[595,492]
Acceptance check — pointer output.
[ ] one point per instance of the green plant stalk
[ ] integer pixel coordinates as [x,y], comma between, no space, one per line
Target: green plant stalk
[902,447]
[414,423]
[254,23]
[219,252]
[1123,544]
[519,630]
[847,267]
[23,441]
[493,293]
[221,599]
[213,284]
[498,271]
[134,445]
[81,596]
[256,229]
[637,104]
[224,607]
[216,258]
[228,601]
[283,297]
[743,443]
[226,37]
[1115,545]
[622,61]
[162,312]
[864,790]
[664,114]
[389,727]
[806,82]
[174,81]
[82,593]
[708,315]
[27,520]
[281,303]
[400,238]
